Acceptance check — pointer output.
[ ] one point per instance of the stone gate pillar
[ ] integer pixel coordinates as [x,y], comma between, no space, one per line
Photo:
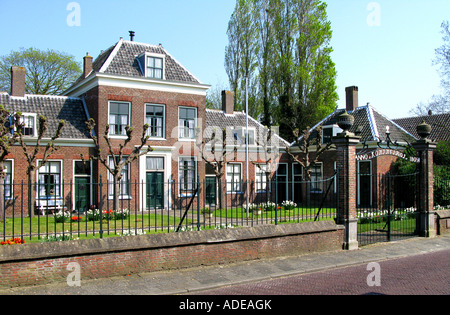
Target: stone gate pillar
[425,196]
[346,162]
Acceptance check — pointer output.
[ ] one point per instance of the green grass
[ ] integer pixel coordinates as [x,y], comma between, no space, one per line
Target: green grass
[43,225]
[296,213]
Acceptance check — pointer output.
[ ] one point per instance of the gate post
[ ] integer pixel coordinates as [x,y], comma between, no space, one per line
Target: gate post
[346,162]
[425,203]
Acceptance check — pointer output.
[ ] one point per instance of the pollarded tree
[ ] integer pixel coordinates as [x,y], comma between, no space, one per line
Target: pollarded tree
[7,138]
[115,161]
[31,154]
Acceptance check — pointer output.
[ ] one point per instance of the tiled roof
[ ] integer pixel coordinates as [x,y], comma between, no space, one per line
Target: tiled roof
[440,125]
[218,119]
[121,59]
[55,108]
[370,125]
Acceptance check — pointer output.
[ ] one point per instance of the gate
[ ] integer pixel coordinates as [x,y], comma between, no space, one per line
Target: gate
[390,212]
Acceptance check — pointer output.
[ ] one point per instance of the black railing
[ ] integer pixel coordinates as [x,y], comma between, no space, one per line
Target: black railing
[387,207]
[80,209]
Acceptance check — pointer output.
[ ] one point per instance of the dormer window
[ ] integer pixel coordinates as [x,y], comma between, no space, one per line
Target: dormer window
[154,68]
[152,65]
[28,123]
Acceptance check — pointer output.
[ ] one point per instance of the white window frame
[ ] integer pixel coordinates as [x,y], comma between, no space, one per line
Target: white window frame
[180,128]
[118,136]
[39,172]
[163,137]
[240,133]
[186,192]
[230,183]
[260,177]
[11,183]
[127,183]
[143,62]
[317,183]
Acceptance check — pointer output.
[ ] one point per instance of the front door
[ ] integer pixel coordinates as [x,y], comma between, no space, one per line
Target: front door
[211,191]
[82,194]
[155,190]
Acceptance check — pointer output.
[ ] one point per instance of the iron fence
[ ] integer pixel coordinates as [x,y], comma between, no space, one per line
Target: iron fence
[387,207]
[81,209]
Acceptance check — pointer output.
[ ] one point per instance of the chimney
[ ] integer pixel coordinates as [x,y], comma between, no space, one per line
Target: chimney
[352,98]
[228,102]
[132,35]
[87,69]
[18,81]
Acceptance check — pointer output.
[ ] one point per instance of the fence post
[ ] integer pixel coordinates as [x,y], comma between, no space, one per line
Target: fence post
[101,207]
[425,147]
[346,162]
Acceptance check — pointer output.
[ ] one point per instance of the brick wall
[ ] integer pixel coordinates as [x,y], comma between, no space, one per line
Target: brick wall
[37,264]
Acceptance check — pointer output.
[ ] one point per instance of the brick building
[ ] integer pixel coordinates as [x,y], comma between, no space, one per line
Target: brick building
[129,84]
[382,142]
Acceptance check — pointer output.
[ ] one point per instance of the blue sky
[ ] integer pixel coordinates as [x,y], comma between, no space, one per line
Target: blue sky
[384,47]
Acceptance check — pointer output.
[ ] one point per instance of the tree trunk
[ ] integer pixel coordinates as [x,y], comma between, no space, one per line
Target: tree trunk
[116,192]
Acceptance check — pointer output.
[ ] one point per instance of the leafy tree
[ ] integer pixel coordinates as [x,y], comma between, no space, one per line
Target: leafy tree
[48,72]
[284,46]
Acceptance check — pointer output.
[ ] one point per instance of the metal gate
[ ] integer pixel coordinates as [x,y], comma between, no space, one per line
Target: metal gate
[389,212]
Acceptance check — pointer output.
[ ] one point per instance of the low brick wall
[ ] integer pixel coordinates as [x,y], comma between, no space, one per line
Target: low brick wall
[37,264]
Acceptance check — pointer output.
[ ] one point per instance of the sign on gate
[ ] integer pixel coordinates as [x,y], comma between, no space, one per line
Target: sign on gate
[381,152]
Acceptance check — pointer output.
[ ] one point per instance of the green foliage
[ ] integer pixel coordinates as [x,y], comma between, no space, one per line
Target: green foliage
[282,47]
[442,154]
[48,72]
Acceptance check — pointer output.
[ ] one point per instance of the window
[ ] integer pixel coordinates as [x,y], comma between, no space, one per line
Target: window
[8,181]
[155,164]
[261,178]
[187,122]
[82,168]
[29,125]
[155,67]
[234,178]
[187,174]
[124,185]
[154,117]
[119,118]
[316,179]
[49,180]
[239,135]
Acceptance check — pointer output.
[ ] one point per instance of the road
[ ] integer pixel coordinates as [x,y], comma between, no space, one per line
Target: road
[426,274]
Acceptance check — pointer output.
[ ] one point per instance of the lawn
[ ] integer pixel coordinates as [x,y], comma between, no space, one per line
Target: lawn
[39,227]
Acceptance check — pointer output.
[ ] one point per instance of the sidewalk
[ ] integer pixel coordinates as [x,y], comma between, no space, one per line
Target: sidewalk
[197,279]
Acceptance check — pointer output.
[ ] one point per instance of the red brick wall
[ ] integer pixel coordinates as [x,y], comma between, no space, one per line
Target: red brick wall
[36,264]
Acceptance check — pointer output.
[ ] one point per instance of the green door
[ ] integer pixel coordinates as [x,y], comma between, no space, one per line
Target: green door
[211,191]
[82,194]
[155,190]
